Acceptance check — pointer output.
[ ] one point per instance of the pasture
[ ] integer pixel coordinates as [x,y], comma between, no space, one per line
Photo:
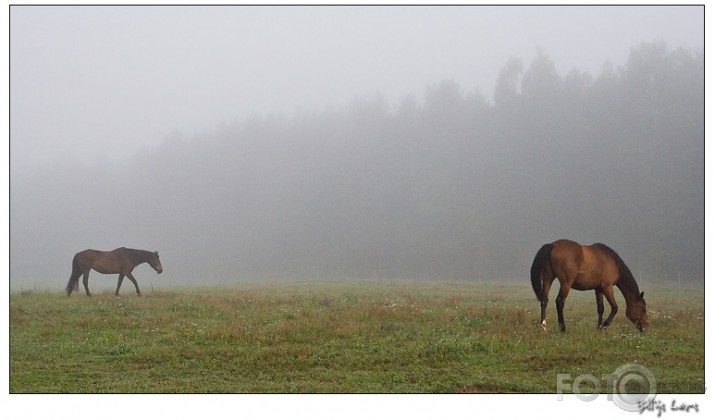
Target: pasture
[341,337]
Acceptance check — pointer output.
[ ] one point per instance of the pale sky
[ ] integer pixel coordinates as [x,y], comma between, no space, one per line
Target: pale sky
[108,82]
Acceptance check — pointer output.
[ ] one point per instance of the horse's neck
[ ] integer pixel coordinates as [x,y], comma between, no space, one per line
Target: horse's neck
[139,257]
[629,289]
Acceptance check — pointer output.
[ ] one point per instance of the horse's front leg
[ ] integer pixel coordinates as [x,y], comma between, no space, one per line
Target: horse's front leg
[608,292]
[119,283]
[131,277]
[599,307]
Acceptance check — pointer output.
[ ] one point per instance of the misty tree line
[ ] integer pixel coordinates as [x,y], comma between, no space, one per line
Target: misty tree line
[449,186]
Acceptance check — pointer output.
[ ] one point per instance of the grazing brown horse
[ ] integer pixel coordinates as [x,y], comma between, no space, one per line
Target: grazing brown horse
[593,267]
[120,261]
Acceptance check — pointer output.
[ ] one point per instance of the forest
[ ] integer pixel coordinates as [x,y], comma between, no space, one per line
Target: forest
[447,184]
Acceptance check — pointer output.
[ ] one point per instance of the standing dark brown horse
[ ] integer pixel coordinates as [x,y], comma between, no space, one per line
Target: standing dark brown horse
[593,267]
[120,261]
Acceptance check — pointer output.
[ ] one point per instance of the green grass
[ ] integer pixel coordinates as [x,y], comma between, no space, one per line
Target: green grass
[341,337]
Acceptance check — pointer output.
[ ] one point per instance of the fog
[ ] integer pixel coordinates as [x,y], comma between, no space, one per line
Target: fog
[442,143]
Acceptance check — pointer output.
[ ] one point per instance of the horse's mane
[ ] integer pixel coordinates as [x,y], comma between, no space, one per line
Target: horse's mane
[626,281]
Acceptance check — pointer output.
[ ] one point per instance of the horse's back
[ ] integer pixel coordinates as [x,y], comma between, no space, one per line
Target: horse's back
[86,254]
[93,257]
[588,266]
[95,252]
[567,257]
[584,255]
[566,246]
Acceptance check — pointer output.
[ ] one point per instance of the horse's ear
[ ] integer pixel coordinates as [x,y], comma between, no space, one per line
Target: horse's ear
[156,253]
[640,297]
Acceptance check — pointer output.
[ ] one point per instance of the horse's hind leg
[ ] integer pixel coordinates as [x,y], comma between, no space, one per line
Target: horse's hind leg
[85,282]
[560,301]
[131,277]
[119,284]
[545,299]
[73,283]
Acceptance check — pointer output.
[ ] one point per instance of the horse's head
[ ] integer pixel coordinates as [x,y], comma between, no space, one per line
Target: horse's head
[636,312]
[155,263]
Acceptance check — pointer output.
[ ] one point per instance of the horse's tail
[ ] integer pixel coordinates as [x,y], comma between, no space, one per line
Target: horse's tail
[542,258]
[74,277]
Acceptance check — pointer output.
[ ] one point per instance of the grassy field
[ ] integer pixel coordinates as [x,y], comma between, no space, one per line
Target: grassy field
[341,337]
